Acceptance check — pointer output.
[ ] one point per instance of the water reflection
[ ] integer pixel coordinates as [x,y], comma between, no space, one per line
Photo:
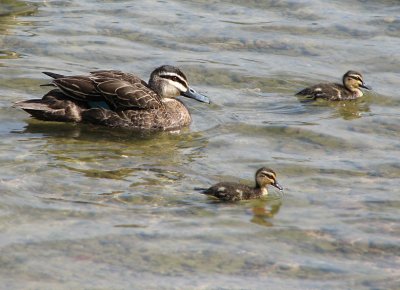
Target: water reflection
[264,210]
[137,164]
[347,110]
[109,202]
[10,10]
[89,132]
[350,110]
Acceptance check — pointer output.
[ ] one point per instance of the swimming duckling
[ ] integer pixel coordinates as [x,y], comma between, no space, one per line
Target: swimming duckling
[230,191]
[350,90]
[116,99]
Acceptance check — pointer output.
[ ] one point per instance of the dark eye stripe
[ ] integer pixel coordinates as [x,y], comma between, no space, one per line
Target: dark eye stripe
[356,78]
[175,79]
[269,175]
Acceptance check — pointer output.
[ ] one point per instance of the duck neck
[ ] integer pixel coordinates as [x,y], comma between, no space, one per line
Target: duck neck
[357,93]
[262,190]
[156,85]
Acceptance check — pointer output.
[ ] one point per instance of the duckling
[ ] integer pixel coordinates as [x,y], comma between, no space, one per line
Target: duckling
[350,90]
[116,99]
[229,191]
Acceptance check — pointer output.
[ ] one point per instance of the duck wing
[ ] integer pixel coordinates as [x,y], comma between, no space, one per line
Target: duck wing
[229,191]
[119,90]
[321,91]
[79,87]
[119,75]
[129,92]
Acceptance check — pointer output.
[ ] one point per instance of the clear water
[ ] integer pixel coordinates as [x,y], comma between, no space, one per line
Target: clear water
[83,207]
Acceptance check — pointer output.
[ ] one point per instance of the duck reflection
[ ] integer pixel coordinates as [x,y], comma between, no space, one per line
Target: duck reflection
[263,211]
[348,110]
[92,132]
[128,162]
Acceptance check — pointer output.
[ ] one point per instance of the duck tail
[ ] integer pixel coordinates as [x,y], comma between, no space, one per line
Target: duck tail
[201,189]
[53,75]
[33,105]
[36,108]
[52,107]
[304,92]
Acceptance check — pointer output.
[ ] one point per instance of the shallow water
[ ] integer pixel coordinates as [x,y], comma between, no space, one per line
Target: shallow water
[89,207]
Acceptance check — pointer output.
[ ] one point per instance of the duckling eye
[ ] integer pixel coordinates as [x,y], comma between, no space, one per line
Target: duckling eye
[175,79]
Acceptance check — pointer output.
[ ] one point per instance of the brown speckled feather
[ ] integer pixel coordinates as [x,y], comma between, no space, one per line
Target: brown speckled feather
[116,74]
[116,99]
[122,94]
[54,106]
[229,191]
[117,89]
[328,91]
[174,116]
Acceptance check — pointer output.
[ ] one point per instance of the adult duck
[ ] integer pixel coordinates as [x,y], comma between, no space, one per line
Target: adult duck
[116,99]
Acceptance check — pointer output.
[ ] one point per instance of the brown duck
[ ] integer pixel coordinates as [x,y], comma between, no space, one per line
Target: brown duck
[350,90]
[230,191]
[116,99]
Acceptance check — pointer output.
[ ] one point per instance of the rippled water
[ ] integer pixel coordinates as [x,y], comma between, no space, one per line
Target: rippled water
[89,207]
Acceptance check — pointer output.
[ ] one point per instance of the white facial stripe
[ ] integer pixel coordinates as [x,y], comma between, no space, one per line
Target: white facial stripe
[357,77]
[268,174]
[178,85]
[174,75]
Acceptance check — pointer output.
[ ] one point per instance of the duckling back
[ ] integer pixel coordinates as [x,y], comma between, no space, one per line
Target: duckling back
[229,191]
[327,91]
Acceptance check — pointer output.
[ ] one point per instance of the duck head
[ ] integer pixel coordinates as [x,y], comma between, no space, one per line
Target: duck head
[169,82]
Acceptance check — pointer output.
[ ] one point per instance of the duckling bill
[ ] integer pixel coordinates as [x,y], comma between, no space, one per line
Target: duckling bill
[230,191]
[116,99]
[349,90]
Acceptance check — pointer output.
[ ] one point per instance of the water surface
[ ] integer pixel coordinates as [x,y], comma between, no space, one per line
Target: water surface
[93,208]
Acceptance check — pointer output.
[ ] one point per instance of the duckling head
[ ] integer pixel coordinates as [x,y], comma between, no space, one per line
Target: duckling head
[264,177]
[169,82]
[353,81]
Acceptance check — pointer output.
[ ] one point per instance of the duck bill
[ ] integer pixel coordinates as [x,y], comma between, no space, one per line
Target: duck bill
[277,185]
[190,93]
[365,86]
